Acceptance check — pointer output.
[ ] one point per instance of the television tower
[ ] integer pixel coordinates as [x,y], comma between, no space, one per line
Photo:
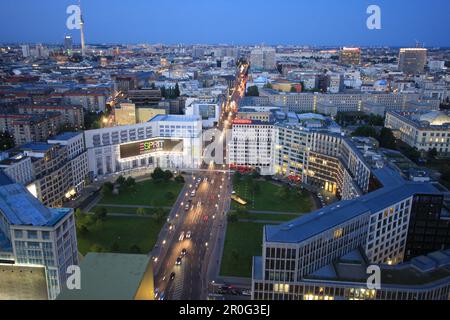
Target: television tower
[83,45]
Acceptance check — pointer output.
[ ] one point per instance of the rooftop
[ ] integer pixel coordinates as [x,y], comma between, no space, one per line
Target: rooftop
[20,208]
[175,118]
[22,282]
[109,276]
[334,215]
[66,136]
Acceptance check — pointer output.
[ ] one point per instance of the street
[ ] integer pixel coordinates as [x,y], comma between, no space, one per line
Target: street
[191,250]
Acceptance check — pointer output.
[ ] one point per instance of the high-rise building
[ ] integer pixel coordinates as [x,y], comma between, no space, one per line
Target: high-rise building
[263,58]
[68,43]
[350,56]
[34,235]
[412,60]
[26,51]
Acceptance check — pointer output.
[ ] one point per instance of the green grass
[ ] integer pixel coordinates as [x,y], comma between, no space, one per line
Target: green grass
[125,231]
[269,217]
[269,200]
[443,167]
[245,240]
[120,210]
[148,193]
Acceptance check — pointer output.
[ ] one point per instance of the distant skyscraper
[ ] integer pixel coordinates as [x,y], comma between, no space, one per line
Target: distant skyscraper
[350,56]
[412,60]
[26,51]
[68,43]
[263,58]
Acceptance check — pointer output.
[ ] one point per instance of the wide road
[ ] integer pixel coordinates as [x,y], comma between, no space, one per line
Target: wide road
[200,212]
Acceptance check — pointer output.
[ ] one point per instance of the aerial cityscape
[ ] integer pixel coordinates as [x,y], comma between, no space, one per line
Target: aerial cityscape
[223,150]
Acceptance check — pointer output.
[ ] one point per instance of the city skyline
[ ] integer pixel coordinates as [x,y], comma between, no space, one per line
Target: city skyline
[317,24]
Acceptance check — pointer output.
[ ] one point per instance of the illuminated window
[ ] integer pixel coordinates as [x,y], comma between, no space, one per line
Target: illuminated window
[338,233]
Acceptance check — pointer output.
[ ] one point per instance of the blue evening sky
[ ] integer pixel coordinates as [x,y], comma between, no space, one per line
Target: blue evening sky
[303,22]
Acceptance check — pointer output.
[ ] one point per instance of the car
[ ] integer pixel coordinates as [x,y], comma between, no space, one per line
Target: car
[187,207]
[193,194]
[162,296]
[178,262]
[183,252]
[172,276]
[181,238]
[188,235]
[156,293]
[246,293]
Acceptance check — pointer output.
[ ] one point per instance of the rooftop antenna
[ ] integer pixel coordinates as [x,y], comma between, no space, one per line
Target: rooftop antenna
[83,46]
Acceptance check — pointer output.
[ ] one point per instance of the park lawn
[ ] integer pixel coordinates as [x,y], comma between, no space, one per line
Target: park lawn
[269,217]
[148,193]
[269,200]
[126,232]
[245,239]
[443,167]
[124,210]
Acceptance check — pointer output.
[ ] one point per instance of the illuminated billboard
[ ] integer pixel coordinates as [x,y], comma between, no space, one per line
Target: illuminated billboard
[137,149]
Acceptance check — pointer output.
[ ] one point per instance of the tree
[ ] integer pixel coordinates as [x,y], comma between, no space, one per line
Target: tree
[159,215]
[107,189]
[120,180]
[433,153]
[177,92]
[365,131]
[293,89]
[158,174]
[82,230]
[179,179]
[168,175]
[100,214]
[6,141]
[140,211]
[387,139]
[256,174]
[252,91]
[130,182]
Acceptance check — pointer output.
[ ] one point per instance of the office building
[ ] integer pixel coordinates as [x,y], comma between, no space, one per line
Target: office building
[68,44]
[59,168]
[325,255]
[307,147]
[34,235]
[263,58]
[166,141]
[126,113]
[350,56]
[422,130]
[412,60]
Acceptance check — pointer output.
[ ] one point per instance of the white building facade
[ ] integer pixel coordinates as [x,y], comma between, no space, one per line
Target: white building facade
[169,142]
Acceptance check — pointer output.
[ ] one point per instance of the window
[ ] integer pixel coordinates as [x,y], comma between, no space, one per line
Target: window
[32,234]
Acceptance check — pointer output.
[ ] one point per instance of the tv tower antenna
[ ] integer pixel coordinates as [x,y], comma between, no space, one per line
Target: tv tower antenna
[83,45]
